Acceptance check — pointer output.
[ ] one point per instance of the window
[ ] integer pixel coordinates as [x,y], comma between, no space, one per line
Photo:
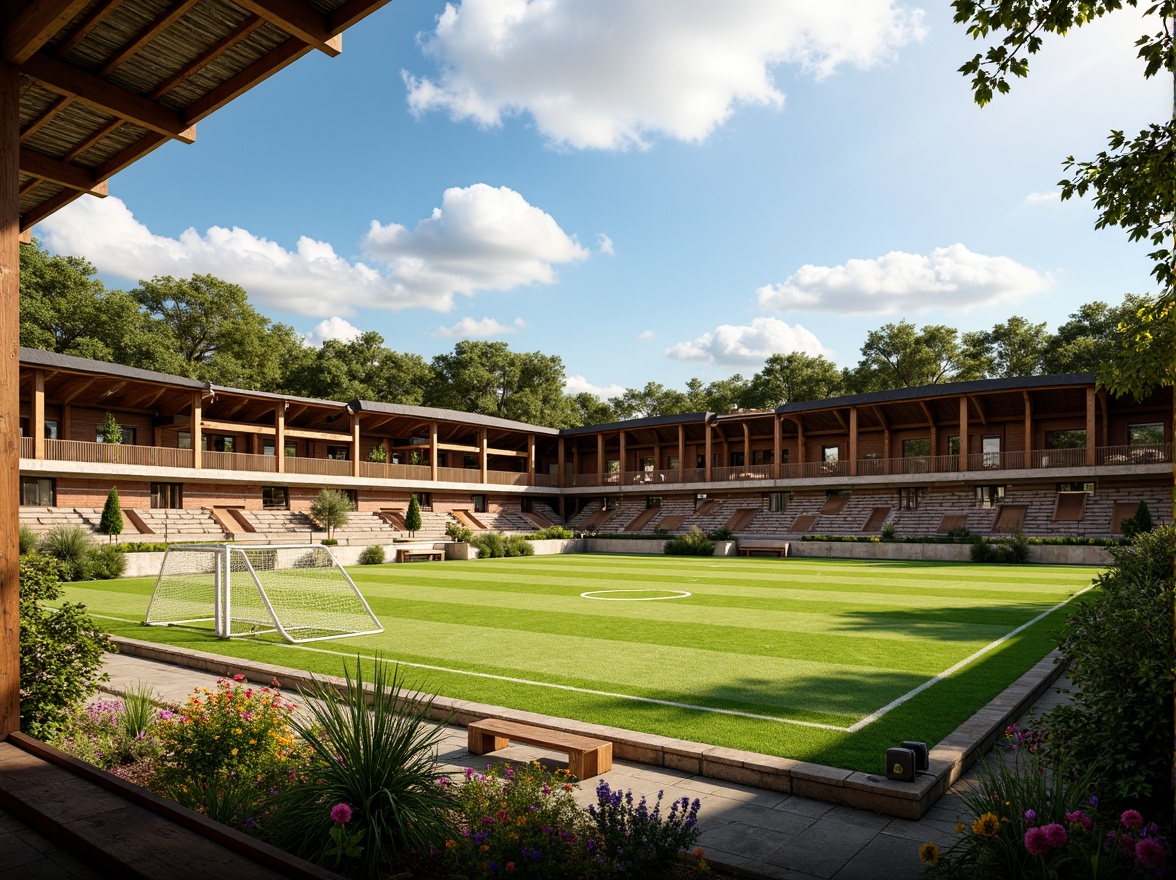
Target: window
[128,435]
[291,448]
[1137,435]
[1088,488]
[479,502]
[736,459]
[672,463]
[51,428]
[469,460]
[267,446]
[184,440]
[830,454]
[167,496]
[990,448]
[953,444]
[910,499]
[699,500]
[989,496]
[217,442]
[526,504]
[424,499]
[612,466]
[274,498]
[778,501]
[338,453]
[763,456]
[652,501]
[609,503]
[647,463]
[352,496]
[1071,439]
[38,492]
[920,448]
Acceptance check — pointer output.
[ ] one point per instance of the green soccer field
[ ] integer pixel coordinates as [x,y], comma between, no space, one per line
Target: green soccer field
[806,658]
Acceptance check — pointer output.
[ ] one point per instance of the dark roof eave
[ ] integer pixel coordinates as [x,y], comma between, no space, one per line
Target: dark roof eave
[448,415]
[635,424]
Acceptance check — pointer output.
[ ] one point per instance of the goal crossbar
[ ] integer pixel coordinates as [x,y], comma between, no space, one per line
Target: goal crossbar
[300,592]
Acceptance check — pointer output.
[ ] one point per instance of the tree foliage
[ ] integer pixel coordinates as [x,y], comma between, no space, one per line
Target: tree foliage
[331,509]
[111,522]
[412,519]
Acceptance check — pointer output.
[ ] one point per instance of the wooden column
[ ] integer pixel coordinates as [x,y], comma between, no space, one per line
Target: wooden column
[600,458]
[1090,426]
[280,437]
[1028,445]
[746,445]
[484,455]
[621,475]
[681,453]
[66,429]
[561,462]
[355,444]
[800,441]
[707,460]
[198,429]
[1106,418]
[9,398]
[963,433]
[530,459]
[853,441]
[434,455]
[38,420]
[777,445]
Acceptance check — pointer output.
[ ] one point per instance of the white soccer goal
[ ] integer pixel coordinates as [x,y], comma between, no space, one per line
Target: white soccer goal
[299,592]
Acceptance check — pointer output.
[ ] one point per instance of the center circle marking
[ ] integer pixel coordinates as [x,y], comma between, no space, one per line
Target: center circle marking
[600,595]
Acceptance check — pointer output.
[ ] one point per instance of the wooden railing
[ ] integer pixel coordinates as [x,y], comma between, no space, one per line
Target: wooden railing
[85,452]
[1152,453]
[546,479]
[319,467]
[1055,458]
[28,448]
[506,478]
[385,471]
[742,472]
[239,461]
[459,475]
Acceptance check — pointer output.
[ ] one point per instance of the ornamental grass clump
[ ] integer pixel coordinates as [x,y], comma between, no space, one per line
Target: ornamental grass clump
[636,841]
[519,821]
[226,751]
[373,750]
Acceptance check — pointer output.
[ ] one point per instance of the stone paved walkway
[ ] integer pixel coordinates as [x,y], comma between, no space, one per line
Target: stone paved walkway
[757,832]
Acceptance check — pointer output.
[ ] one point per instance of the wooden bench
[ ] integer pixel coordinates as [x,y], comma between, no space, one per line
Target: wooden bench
[763,549]
[420,555]
[587,757]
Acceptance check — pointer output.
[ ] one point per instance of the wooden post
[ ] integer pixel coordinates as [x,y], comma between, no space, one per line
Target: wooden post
[561,462]
[681,452]
[1028,428]
[66,431]
[280,438]
[777,444]
[964,434]
[9,398]
[800,441]
[746,445]
[197,429]
[621,475]
[1106,418]
[433,453]
[355,444]
[600,458]
[707,460]
[38,420]
[1090,426]
[530,459]
[853,441]
[484,455]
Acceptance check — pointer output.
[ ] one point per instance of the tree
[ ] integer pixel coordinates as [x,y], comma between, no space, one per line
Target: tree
[786,378]
[331,509]
[901,356]
[1087,340]
[1014,348]
[361,368]
[111,522]
[591,410]
[652,400]
[109,429]
[412,519]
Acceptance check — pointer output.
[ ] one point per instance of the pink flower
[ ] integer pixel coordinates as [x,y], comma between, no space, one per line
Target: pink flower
[1035,842]
[341,814]
[1079,818]
[238,677]
[1149,852]
[1030,816]
[1131,819]
[1055,834]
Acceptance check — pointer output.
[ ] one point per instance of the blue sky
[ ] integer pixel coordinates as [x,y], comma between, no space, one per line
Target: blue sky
[653,190]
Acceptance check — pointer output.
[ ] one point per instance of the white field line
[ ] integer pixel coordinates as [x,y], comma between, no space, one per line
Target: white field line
[853,728]
[894,704]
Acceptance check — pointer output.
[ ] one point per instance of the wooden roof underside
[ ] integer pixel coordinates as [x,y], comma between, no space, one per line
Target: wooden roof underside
[104,82]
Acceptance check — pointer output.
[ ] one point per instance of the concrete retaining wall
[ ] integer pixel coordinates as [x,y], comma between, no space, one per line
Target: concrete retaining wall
[1047,554]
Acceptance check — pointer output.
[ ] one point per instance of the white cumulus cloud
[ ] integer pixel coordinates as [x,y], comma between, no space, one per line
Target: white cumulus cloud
[1036,198]
[645,336]
[474,328]
[332,328]
[612,73]
[900,282]
[604,244]
[481,238]
[578,385]
[748,344]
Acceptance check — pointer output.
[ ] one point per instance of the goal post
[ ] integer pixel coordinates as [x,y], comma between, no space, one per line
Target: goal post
[300,592]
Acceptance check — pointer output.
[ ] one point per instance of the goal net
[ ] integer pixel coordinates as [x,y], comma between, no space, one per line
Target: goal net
[299,592]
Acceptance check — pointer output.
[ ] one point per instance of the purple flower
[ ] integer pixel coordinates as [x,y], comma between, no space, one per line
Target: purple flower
[1149,852]
[1131,819]
[1079,818]
[1055,834]
[1093,800]
[341,814]
[1030,816]
[1035,842]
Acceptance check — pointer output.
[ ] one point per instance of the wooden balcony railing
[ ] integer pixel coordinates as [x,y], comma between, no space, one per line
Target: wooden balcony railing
[386,471]
[319,467]
[459,475]
[742,472]
[84,452]
[27,447]
[1152,453]
[239,461]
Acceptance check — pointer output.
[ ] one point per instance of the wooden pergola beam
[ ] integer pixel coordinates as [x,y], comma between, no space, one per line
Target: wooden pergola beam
[214,51]
[63,173]
[351,12]
[65,79]
[35,26]
[146,36]
[299,20]
[98,15]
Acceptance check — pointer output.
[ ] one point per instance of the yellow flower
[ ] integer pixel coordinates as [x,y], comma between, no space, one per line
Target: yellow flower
[234,752]
[987,825]
[929,853]
[960,826]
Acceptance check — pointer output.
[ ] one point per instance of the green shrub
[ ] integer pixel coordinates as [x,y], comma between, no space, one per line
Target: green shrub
[1118,647]
[373,555]
[517,545]
[1018,548]
[107,562]
[111,522]
[142,547]
[490,545]
[379,761]
[412,519]
[458,532]
[553,533]
[99,733]
[60,650]
[722,534]
[331,509]
[1140,521]
[72,547]
[312,559]
[693,544]
[959,532]
[889,531]
[329,542]
[637,842]
[377,454]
